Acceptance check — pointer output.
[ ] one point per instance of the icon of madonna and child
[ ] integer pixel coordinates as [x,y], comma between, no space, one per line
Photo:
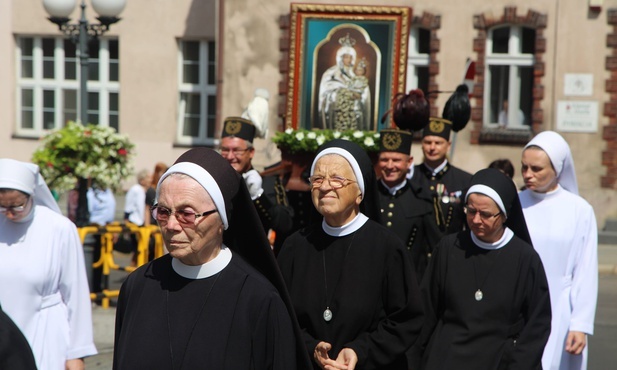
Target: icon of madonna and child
[344,98]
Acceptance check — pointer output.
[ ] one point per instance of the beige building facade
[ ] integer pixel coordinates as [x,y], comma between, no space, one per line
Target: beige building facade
[170,71]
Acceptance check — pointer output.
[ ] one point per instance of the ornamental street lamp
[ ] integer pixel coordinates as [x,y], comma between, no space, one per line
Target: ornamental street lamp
[82,32]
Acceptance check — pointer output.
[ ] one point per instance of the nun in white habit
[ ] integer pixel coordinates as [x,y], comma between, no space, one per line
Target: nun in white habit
[564,232]
[43,283]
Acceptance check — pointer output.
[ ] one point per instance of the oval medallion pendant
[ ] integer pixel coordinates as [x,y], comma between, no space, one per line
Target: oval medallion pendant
[327,314]
[479,295]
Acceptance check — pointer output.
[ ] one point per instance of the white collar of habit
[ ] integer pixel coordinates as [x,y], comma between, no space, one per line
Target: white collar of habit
[346,229]
[206,270]
[505,238]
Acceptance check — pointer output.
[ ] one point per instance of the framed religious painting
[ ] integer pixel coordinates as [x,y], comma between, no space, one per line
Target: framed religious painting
[346,64]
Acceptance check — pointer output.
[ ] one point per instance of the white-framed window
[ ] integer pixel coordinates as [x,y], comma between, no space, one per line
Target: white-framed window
[48,83]
[418,59]
[197,92]
[509,77]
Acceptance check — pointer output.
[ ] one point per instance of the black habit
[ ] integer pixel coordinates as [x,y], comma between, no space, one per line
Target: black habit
[371,291]
[446,190]
[161,324]
[15,351]
[292,210]
[273,207]
[506,329]
[412,219]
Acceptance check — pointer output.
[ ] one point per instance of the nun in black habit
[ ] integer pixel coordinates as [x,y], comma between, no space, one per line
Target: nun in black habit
[217,300]
[485,291]
[15,351]
[351,280]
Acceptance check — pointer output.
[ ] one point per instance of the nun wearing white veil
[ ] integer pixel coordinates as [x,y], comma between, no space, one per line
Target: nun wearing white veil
[43,283]
[564,232]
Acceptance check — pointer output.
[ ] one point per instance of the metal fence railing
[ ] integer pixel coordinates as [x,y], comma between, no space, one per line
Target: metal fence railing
[108,235]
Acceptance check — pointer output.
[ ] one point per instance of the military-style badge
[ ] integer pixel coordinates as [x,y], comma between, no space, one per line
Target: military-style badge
[232,127]
[392,140]
[438,127]
[239,127]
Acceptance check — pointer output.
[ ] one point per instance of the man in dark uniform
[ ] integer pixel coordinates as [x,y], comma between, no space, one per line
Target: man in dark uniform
[444,184]
[286,183]
[402,209]
[237,148]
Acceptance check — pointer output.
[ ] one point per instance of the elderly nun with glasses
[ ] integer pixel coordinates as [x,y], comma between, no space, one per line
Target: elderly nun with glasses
[217,300]
[485,291]
[43,282]
[351,280]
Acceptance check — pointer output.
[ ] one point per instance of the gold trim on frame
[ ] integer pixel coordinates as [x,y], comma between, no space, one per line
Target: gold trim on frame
[399,14]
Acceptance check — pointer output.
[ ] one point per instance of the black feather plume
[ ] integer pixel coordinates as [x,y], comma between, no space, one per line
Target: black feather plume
[411,111]
[457,108]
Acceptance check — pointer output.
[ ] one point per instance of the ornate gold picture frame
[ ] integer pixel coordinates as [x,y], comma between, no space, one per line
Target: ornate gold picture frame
[346,64]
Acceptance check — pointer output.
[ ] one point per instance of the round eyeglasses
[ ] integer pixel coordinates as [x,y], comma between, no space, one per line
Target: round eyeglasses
[235,151]
[336,182]
[15,209]
[184,216]
[483,214]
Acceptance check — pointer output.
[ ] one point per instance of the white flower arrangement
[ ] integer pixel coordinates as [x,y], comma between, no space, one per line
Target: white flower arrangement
[84,152]
[308,141]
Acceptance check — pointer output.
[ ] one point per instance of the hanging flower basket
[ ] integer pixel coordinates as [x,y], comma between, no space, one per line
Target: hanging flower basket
[84,152]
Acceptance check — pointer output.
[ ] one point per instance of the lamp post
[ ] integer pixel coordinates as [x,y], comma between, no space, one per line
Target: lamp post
[82,32]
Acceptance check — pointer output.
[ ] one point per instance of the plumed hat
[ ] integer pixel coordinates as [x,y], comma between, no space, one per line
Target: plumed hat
[501,189]
[398,141]
[458,108]
[239,127]
[438,127]
[362,167]
[411,111]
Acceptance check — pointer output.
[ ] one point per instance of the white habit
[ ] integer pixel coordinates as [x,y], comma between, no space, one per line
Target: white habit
[44,288]
[564,233]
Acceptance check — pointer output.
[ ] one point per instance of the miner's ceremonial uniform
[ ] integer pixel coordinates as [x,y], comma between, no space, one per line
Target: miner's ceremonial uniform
[272,207]
[444,186]
[403,210]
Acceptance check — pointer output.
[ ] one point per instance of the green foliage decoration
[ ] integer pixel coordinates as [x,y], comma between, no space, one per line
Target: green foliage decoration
[307,141]
[91,152]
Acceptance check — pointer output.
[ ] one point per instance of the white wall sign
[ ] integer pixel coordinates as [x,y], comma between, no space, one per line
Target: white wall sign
[577,116]
[578,84]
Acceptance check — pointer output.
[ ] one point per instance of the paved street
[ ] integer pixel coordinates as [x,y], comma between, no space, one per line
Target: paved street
[602,345]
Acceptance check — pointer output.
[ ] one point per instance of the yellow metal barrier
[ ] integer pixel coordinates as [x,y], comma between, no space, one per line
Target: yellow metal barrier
[107,235]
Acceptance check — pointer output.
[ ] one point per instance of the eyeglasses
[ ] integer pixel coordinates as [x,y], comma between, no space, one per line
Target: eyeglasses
[184,216]
[15,209]
[483,214]
[235,151]
[336,182]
